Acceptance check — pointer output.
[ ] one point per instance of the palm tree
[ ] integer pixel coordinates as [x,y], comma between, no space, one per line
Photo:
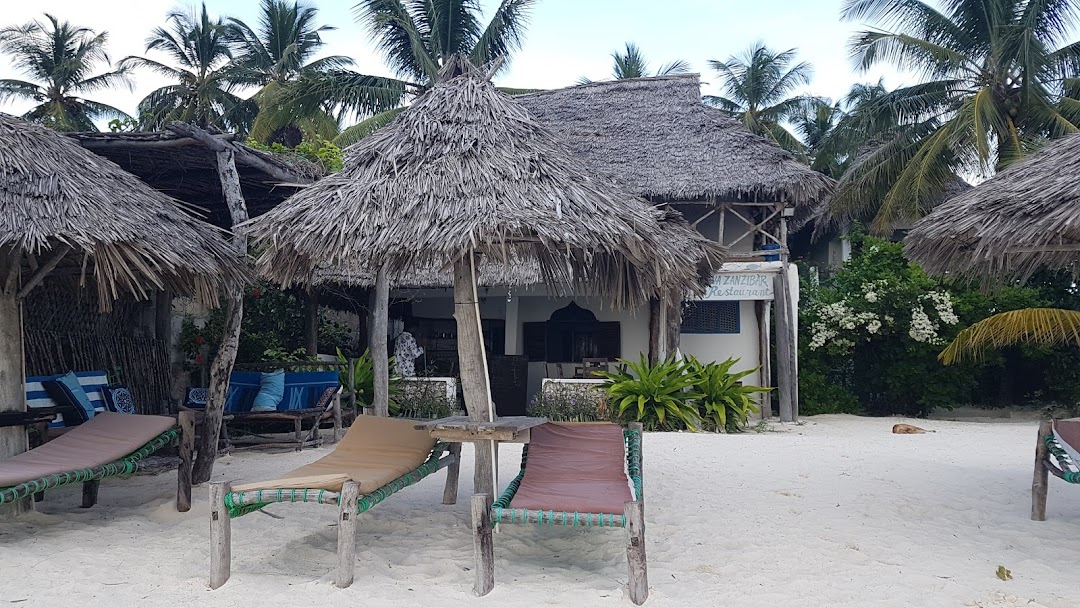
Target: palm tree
[418,37]
[61,57]
[632,64]
[300,95]
[759,89]
[1044,326]
[836,134]
[202,94]
[995,82]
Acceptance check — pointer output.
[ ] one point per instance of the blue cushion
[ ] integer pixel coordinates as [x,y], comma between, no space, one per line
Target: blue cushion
[243,386]
[304,389]
[271,390]
[119,399]
[69,394]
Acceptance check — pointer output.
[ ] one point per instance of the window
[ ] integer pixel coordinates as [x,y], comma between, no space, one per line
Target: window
[710,318]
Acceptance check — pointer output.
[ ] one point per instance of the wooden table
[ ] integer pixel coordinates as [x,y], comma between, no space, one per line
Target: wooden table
[511,429]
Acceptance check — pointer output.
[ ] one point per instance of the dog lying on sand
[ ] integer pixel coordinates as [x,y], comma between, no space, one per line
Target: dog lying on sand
[907,429]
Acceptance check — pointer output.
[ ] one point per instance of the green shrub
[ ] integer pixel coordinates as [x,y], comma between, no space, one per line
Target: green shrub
[661,396]
[566,402]
[364,379]
[724,402]
[423,400]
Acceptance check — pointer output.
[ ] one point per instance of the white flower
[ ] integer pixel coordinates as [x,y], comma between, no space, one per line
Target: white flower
[873,326]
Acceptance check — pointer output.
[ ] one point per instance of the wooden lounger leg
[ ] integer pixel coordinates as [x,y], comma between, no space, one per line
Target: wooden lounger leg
[635,552]
[298,427]
[346,535]
[337,417]
[220,535]
[186,420]
[483,545]
[42,429]
[1042,474]
[449,496]
[89,493]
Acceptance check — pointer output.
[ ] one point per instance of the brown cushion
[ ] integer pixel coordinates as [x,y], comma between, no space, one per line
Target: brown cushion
[374,452]
[104,438]
[575,467]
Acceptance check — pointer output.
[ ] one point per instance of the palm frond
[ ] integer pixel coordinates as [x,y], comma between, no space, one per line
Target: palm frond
[504,33]
[364,128]
[1046,326]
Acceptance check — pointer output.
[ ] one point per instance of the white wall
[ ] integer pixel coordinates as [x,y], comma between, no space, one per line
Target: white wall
[718,347]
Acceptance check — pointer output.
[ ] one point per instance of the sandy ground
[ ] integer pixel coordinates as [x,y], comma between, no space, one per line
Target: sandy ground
[834,512]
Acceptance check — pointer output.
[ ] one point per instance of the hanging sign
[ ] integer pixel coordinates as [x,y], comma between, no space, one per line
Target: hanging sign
[741,286]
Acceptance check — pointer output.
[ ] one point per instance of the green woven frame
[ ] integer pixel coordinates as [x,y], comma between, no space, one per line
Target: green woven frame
[234,501]
[1062,458]
[502,513]
[123,467]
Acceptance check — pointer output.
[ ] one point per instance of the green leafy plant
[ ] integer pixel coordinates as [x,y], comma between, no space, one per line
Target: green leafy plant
[724,401]
[661,396]
[423,400]
[364,379]
[562,402]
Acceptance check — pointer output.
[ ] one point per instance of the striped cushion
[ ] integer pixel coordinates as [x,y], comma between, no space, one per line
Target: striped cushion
[92,383]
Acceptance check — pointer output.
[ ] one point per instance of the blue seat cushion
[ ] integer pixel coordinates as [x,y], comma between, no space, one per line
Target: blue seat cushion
[271,391]
[66,391]
[305,389]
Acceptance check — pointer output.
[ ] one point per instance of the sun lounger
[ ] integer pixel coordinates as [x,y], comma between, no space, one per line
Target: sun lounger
[572,474]
[107,445]
[1057,452]
[376,458]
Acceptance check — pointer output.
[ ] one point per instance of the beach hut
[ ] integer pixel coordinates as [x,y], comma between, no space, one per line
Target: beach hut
[1024,218]
[464,177]
[67,211]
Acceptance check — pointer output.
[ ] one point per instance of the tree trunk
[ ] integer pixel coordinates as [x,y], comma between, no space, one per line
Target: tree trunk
[222,366]
[311,323]
[654,330]
[12,377]
[379,355]
[673,331]
[472,363]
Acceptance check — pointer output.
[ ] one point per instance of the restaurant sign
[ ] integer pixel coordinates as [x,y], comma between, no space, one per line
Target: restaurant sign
[741,286]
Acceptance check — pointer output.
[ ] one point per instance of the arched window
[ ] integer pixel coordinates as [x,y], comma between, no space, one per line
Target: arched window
[570,335]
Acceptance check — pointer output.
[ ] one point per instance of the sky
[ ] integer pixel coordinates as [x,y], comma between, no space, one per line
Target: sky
[566,39]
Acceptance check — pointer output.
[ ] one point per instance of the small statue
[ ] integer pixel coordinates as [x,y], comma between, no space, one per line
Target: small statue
[406,351]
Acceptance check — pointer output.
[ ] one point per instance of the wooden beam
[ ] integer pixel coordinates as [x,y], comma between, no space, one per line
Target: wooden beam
[220,535]
[163,315]
[12,375]
[41,273]
[707,215]
[219,144]
[475,385]
[483,545]
[346,536]
[379,349]
[452,474]
[90,493]
[1039,481]
[654,330]
[638,582]
[784,371]
[186,420]
[311,322]
[763,309]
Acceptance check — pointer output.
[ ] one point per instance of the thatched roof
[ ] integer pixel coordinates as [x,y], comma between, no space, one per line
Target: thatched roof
[656,136]
[466,166]
[129,237]
[184,168]
[1026,217]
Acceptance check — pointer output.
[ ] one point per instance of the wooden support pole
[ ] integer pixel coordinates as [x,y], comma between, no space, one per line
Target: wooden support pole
[673,332]
[1039,482]
[380,356]
[483,545]
[39,276]
[90,493]
[12,378]
[311,322]
[186,420]
[449,496]
[163,316]
[475,385]
[346,536]
[222,366]
[337,417]
[638,583]
[654,330]
[352,387]
[785,355]
[220,535]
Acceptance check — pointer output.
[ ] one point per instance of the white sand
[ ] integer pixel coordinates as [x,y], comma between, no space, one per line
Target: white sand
[835,512]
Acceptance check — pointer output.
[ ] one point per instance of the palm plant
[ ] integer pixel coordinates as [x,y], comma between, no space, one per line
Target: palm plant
[418,37]
[633,64]
[724,401]
[61,57]
[202,94]
[658,396]
[300,96]
[996,79]
[1045,326]
[759,88]
[837,134]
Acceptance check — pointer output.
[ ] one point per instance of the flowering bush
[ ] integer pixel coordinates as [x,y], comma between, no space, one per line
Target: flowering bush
[565,402]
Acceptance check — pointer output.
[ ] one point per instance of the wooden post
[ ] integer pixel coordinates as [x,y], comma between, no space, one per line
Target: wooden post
[337,417]
[662,331]
[163,315]
[483,545]
[221,368]
[186,420]
[298,433]
[379,350]
[654,330]
[311,322]
[635,552]
[12,378]
[763,308]
[785,370]
[640,428]
[673,331]
[473,366]
[1039,482]
[220,535]
[352,387]
[90,493]
[449,496]
[346,535]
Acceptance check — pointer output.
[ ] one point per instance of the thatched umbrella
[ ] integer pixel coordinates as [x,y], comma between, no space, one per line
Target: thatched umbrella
[1026,217]
[61,205]
[467,171]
